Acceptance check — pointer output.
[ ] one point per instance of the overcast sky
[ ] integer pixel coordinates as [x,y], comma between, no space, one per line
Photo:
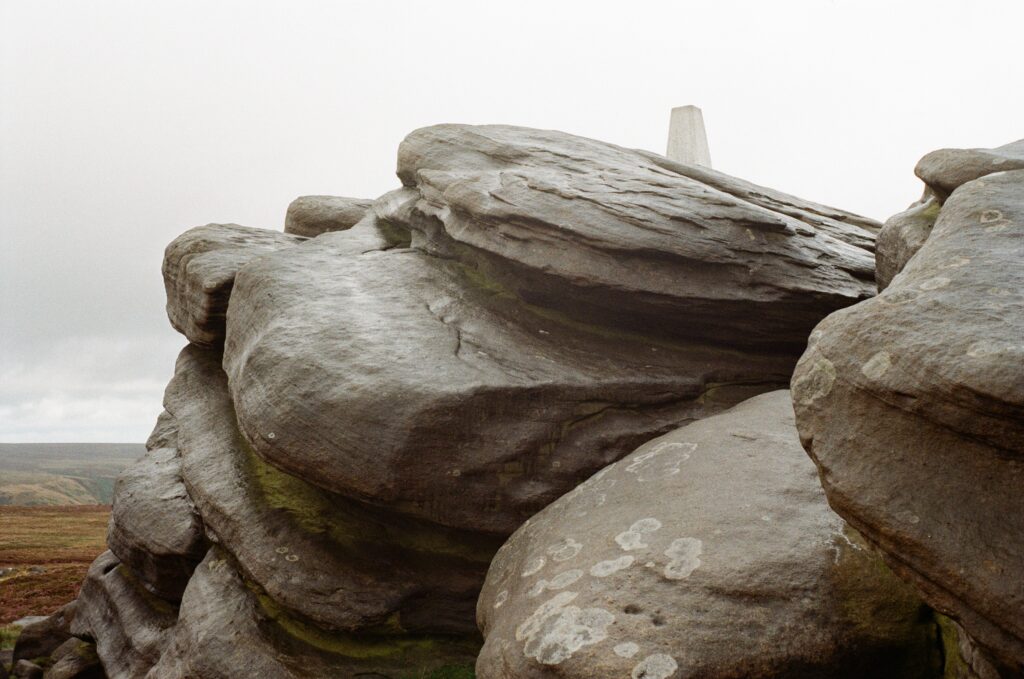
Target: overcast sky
[124,123]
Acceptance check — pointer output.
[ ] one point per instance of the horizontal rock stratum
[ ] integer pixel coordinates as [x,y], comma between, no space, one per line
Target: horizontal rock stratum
[371,404]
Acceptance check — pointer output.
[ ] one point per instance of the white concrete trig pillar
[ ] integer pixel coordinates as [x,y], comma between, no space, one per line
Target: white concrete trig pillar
[687,140]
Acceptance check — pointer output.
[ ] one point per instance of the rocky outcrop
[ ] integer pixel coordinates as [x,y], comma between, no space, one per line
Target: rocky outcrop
[199,270]
[912,405]
[572,299]
[364,416]
[708,552]
[311,216]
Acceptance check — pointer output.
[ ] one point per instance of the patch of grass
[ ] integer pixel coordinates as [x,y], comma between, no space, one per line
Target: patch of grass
[46,552]
[8,635]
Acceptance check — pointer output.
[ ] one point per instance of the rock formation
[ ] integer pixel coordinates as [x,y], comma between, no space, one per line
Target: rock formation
[362,417]
[912,405]
[708,552]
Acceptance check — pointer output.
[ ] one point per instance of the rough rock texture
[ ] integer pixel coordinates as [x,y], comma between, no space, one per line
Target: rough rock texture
[530,308]
[364,416]
[311,216]
[912,405]
[128,624]
[323,557]
[902,236]
[199,269]
[708,552]
[24,669]
[154,527]
[946,169]
[42,638]
[227,631]
[75,659]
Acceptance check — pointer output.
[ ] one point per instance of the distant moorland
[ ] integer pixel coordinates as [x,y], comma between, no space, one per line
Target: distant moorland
[62,473]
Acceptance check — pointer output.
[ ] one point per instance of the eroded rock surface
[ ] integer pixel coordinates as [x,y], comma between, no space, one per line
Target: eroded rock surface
[708,552]
[902,236]
[154,526]
[362,417]
[199,269]
[912,405]
[311,216]
[128,623]
[530,307]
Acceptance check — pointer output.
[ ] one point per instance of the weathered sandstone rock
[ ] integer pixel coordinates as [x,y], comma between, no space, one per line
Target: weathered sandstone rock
[626,238]
[227,631]
[128,623]
[901,237]
[75,659]
[321,556]
[311,216]
[912,405]
[199,269]
[42,638]
[946,169]
[708,552]
[154,526]
[531,307]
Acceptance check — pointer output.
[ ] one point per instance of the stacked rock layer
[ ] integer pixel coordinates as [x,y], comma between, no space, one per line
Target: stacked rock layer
[362,417]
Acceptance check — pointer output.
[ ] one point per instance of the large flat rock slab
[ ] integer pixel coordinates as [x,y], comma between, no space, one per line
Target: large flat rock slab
[708,552]
[912,405]
[632,239]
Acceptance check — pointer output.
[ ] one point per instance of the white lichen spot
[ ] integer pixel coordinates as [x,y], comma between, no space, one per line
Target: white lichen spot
[215,565]
[501,598]
[281,550]
[564,549]
[684,555]
[657,666]
[936,283]
[989,216]
[292,557]
[560,581]
[456,472]
[603,569]
[815,383]
[626,649]
[877,365]
[661,460]
[750,235]
[271,436]
[634,537]
[556,630]
[533,566]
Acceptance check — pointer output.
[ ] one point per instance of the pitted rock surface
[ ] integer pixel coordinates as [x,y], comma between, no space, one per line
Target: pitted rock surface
[912,405]
[707,552]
